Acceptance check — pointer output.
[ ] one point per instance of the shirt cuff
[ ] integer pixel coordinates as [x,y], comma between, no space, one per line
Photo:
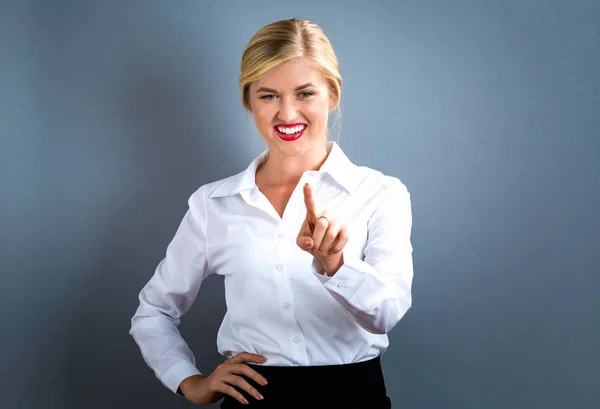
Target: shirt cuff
[349,278]
[177,373]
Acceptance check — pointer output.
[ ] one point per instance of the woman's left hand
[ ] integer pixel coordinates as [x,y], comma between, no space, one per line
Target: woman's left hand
[324,239]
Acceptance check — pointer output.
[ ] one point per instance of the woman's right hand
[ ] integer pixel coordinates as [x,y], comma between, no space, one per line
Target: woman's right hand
[203,390]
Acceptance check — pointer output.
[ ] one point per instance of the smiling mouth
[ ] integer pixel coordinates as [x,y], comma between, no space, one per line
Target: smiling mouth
[290,132]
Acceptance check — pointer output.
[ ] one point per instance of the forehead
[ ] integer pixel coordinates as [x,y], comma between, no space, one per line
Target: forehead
[291,74]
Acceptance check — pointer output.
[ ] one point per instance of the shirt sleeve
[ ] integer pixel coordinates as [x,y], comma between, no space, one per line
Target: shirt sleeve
[168,295]
[376,291]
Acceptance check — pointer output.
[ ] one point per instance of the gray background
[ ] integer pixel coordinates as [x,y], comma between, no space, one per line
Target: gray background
[112,113]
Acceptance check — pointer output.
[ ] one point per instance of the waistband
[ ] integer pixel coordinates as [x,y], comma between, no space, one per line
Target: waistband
[367,373]
[358,384]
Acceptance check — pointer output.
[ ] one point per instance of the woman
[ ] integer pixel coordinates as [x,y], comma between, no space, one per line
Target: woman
[314,250]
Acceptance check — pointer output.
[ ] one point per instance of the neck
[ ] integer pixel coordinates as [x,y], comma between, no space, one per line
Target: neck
[281,170]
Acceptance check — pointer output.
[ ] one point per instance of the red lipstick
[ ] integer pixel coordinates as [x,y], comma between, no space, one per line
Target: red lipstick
[292,137]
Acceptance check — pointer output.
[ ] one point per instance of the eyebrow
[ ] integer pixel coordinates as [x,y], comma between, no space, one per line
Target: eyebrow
[264,89]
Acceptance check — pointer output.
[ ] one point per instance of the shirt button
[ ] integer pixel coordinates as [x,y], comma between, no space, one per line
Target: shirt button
[279,267]
[297,340]
[286,305]
[280,236]
[341,284]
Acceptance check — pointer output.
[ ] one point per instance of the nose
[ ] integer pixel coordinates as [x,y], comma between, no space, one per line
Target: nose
[287,110]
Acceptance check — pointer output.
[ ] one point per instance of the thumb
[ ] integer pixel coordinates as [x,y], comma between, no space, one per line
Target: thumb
[305,243]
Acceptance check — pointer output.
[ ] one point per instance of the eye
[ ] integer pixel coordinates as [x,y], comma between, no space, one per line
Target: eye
[305,95]
[267,97]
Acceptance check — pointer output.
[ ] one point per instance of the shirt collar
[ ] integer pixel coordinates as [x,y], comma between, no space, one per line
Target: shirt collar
[337,165]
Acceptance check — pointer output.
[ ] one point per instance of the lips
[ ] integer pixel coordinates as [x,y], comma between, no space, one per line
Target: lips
[290,137]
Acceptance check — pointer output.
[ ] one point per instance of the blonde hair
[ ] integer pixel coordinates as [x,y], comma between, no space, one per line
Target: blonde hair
[282,41]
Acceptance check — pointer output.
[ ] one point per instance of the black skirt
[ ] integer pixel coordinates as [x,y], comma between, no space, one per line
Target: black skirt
[352,386]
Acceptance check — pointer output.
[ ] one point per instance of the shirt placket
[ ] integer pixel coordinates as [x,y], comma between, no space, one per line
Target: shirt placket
[285,240]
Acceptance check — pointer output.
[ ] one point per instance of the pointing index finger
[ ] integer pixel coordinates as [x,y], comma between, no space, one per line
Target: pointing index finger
[309,201]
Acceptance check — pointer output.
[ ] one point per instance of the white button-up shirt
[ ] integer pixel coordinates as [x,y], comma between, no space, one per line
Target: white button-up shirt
[279,304]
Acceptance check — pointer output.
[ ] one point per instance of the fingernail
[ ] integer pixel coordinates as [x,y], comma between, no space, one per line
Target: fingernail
[306,242]
[260,396]
[246,401]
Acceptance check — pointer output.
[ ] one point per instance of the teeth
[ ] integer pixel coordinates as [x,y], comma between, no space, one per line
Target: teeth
[290,131]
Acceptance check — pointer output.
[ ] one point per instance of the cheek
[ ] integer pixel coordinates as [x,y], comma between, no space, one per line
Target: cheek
[318,114]
[262,119]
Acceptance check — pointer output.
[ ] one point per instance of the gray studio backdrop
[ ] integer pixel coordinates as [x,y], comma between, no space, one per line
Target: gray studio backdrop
[114,112]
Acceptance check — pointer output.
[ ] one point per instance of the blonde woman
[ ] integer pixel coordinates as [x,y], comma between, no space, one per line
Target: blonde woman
[315,251]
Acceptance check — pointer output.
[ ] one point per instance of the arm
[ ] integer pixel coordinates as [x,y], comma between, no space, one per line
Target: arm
[376,291]
[169,295]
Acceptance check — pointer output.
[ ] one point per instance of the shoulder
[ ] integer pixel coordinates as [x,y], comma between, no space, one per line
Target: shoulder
[215,188]
[388,196]
[376,181]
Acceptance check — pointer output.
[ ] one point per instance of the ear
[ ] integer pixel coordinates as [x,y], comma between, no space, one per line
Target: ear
[248,98]
[331,102]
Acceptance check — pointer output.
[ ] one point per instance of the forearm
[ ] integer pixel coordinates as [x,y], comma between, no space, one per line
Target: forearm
[376,300]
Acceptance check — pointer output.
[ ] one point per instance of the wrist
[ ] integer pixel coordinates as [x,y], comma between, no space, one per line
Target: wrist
[331,267]
[189,383]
